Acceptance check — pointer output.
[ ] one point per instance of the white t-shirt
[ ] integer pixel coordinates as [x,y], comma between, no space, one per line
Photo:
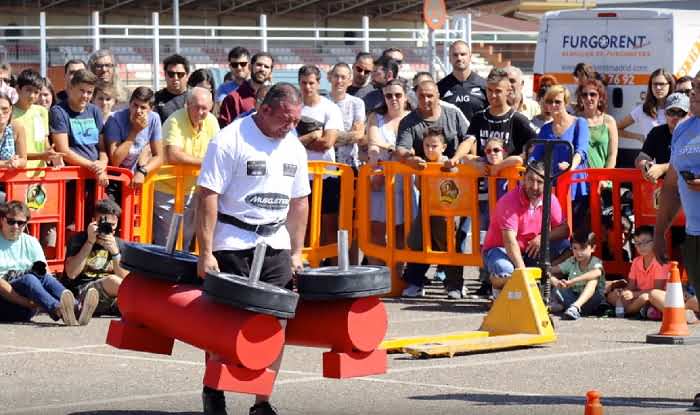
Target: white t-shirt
[352,110]
[329,114]
[642,125]
[255,177]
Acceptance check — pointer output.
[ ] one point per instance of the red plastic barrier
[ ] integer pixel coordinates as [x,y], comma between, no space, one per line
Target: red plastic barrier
[44,192]
[643,207]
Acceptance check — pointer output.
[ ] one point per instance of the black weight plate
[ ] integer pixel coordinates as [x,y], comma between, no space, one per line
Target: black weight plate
[259,297]
[156,262]
[357,281]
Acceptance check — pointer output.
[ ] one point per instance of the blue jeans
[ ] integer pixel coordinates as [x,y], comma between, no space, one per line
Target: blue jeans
[44,290]
[497,261]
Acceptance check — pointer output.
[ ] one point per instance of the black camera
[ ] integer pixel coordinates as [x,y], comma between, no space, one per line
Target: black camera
[104,227]
[39,268]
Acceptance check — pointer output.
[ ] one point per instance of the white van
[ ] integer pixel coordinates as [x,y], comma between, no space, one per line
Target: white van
[624,45]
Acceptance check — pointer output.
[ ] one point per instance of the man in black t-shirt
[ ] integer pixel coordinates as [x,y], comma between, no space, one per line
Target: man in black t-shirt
[463,88]
[93,258]
[173,96]
[499,120]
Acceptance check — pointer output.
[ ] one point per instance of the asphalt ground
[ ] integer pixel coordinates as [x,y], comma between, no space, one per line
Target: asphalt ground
[50,369]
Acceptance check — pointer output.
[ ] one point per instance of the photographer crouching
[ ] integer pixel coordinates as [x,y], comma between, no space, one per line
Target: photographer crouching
[25,285]
[92,258]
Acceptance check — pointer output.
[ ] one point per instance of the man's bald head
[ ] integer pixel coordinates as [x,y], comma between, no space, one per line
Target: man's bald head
[198,93]
[199,103]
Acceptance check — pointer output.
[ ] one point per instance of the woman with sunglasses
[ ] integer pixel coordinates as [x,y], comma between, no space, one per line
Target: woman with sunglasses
[382,131]
[565,126]
[645,116]
[592,104]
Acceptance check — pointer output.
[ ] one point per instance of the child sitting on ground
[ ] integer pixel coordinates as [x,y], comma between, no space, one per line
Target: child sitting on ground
[580,291]
[645,291]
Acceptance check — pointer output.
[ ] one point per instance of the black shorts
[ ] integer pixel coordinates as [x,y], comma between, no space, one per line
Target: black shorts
[276,269]
[330,199]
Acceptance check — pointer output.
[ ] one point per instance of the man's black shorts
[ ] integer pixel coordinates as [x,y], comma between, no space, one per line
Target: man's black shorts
[276,269]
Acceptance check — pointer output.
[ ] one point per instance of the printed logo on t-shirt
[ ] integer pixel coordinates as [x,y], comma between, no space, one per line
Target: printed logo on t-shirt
[476,91]
[485,135]
[257,167]
[84,131]
[269,201]
[289,169]
[448,94]
[463,98]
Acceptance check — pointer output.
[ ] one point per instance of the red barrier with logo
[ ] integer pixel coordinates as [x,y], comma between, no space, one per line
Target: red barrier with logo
[644,206]
[46,196]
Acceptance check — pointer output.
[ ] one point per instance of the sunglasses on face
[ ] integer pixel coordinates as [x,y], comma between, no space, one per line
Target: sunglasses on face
[363,71]
[173,74]
[389,95]
[675,113]
[104,65]
[554,102]
[13,222]
[493,150]
[589,94]
[234,65]
[685,91]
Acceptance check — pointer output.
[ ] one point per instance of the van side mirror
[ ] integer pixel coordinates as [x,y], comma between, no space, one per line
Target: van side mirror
[617,97]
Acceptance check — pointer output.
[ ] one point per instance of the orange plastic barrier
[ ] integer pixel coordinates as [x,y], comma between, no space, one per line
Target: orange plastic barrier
[644,206]
[314,252]
[46,197]
[167,173]
[443,194]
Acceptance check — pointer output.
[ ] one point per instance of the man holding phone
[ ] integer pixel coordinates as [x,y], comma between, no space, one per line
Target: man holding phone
[682,189]
[93,258]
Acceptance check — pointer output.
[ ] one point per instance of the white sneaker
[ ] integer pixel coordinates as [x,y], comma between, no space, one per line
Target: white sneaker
[413,291]
[67,307]
[87,309]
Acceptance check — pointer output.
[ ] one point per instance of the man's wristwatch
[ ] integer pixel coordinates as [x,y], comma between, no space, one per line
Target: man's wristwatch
[117,256]
[142,170]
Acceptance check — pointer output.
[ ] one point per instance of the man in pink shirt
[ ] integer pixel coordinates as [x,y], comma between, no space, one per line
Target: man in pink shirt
[513,238]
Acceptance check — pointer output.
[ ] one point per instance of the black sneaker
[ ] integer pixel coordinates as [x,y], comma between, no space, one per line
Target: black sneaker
[263,408]
[213,401]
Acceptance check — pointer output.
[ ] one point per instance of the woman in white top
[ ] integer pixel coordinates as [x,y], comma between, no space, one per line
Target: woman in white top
[645,116]
[383,126]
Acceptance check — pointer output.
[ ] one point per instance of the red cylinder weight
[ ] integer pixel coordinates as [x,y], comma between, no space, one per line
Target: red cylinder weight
[344,325]
[181,311]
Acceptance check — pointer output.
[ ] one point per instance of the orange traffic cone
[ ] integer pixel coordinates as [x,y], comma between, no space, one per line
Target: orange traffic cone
[593,405]
[674,327]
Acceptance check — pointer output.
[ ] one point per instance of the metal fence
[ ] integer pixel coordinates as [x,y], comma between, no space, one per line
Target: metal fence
[52,45]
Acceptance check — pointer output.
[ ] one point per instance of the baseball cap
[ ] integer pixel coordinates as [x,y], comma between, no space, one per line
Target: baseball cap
[678,100]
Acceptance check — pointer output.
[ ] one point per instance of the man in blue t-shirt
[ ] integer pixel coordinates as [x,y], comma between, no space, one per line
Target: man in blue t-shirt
[75,126]
[129,131]
[681,189]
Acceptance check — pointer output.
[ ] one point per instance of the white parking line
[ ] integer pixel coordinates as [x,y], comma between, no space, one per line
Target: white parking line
[131,398]
[27,350]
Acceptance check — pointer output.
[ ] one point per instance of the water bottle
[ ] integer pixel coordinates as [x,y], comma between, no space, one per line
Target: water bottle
[619,308]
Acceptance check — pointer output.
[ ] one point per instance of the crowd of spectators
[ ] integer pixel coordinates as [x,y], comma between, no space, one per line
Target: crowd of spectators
[370,115]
